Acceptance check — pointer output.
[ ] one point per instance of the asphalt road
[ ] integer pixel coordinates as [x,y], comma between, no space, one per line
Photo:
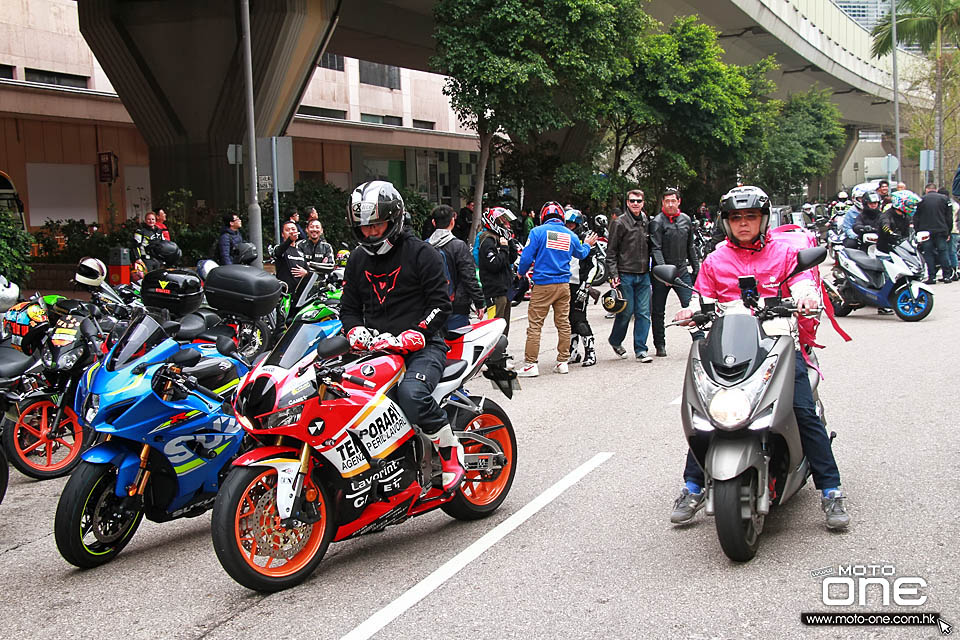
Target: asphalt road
[601,559]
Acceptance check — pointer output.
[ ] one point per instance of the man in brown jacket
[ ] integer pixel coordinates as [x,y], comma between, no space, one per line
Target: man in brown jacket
[628,267]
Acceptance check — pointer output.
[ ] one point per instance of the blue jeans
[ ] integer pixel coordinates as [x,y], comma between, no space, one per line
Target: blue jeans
[660,292]
[457,320]
[813,437]
[934,252]
[952,250]
[635,288]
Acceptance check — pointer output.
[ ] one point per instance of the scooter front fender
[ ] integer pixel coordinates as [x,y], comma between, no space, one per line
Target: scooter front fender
[112,452]
[727,459]
[916,287]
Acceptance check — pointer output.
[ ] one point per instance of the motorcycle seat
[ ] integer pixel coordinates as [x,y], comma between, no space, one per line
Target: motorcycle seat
[190,327]
[210,318]
[13,363]
[454,334]
[452,370]
[213,333]
[864,260]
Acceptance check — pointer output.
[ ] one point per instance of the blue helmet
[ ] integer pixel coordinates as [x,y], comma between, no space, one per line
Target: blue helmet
[573,216]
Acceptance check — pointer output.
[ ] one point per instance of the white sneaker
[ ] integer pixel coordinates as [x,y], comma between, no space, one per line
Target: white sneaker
[560,368]
[528,370]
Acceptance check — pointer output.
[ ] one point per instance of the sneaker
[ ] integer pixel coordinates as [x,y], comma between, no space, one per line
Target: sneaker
[835,509]
[560,368]
[884,311]
[620,351]
[687,505]
[644,357]
[930,282]
[661,352]
[528,370]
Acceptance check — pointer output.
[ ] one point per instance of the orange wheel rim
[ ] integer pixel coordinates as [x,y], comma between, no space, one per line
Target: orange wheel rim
[267,546]
[41,449]
[476,490]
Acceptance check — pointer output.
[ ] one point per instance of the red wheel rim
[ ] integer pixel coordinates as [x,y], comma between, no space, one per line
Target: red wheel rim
[483,493]
[40,449]
[266,546]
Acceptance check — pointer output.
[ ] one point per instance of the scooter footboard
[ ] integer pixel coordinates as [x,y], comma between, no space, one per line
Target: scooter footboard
[126,461]
[727,459]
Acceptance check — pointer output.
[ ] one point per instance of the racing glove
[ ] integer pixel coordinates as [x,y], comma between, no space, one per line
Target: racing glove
[407,342]
[361,338]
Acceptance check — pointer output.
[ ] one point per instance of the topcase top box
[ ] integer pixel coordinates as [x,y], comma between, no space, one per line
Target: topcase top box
[177,290]
[242,290]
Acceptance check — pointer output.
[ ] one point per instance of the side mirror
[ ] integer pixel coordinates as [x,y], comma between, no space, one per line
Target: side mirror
[227,347]
[666,273]
[870,238]
[923,236]
[809,258]
[332,347]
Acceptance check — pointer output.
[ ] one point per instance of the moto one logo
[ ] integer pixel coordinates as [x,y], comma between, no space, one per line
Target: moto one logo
[861,585]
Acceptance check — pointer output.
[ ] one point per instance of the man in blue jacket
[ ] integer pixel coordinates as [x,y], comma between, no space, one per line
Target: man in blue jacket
[549,249]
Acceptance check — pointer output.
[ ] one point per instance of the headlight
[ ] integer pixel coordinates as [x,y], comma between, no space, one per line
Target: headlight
[68,359]
[90,407]
[283,418]
[730,407]
[46,356]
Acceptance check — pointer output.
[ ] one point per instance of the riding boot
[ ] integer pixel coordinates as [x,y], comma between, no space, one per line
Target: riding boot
[451,457]
[589,353]
[574,349]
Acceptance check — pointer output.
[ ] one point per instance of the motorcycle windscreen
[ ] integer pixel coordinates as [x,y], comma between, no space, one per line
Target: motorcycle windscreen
[733,349]
[296,342]
[140,337]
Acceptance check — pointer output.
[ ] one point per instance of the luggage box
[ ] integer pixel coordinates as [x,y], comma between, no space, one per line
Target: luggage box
[177,290]
[242,290]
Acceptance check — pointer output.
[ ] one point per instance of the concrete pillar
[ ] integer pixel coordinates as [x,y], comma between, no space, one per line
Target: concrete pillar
[832,182]
[177,67]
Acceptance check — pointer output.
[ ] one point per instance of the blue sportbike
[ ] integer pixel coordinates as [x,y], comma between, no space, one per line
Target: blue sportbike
[161,397]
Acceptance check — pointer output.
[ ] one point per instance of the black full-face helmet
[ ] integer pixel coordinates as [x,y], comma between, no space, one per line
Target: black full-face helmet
[740,198]
[165,251]
[871,201]
[373,203]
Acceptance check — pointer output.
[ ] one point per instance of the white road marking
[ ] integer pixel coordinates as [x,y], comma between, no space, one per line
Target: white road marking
[425,587]
[677,399]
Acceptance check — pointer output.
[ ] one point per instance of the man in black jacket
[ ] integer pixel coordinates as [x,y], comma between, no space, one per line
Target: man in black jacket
[934,215]
[671,242]
[289,260]
[395,299]
[462,270]
[314,248]
[497,255]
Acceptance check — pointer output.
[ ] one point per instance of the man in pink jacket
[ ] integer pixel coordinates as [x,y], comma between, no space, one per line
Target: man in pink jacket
[749,250]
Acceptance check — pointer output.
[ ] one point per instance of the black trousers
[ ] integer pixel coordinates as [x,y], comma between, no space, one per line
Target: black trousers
[578,312]
[424,370]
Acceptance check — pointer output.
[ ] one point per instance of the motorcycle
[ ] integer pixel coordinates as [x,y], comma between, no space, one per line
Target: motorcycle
[339,459]
[874,279]
[163,403]
[738,402]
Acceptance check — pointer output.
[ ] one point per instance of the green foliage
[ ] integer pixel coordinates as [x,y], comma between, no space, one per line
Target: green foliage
[174,203]
[15,246]
[78,243]
[801,144]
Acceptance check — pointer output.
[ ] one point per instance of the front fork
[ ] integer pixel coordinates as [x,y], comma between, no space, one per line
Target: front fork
[293,490]
[139,485]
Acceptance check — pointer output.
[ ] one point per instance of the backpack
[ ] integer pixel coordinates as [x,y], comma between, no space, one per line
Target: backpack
[448,272]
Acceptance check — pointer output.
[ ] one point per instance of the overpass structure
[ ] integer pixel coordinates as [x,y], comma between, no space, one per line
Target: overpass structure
[185,111]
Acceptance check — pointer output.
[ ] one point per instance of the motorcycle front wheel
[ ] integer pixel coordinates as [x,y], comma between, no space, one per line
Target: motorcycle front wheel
[735,510]
[40,449]
[252,544]
[482,492]
[910,309]
[93,524]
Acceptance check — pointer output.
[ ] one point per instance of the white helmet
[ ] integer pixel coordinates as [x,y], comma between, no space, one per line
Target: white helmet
[842,195]
[204,267]
[9,294]
[91,272]
[857,193]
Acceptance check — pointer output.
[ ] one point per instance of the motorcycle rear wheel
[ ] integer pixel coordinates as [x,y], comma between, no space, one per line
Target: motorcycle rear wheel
[254,338]
[92,524]
[248,537]
[478,497]
[41,450]
[735,510]
[839,308]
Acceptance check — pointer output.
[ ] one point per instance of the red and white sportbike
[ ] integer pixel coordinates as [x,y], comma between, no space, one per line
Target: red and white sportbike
[338,458]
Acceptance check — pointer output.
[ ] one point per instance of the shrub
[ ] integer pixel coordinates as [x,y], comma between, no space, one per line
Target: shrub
[15,246]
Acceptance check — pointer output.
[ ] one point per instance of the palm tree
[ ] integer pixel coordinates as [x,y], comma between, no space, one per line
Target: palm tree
[926,24]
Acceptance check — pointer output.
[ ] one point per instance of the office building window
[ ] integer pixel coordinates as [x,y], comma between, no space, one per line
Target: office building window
[53,77]
[395,121]
[380,75]
[6,71]
[322,112]
[331,61]
[424,124]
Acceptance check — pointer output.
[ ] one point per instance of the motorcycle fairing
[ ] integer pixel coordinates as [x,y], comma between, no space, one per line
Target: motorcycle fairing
[734,349]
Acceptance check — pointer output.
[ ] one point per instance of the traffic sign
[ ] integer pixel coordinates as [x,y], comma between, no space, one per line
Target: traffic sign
[890,164]
[264,183]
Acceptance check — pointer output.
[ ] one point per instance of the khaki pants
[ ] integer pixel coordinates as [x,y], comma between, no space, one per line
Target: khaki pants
[542,298]
[502,310]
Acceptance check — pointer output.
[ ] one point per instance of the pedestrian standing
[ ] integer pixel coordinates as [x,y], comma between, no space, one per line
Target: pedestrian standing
[497,253]
[464,221]
[294,217]
[628,269]
[671,242]
[314,247]
[582,273]
[934,215]
[289,260]
[954,240]
[549,250]
[162,223]
[229,238]
[459,266]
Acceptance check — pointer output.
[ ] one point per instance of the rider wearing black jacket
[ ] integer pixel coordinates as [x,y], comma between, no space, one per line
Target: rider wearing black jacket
[893,227]
[395,284]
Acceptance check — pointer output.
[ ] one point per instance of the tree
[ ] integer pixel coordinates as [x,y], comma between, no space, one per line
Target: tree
[921,123]
[801,143]
[926,24]
[519,67]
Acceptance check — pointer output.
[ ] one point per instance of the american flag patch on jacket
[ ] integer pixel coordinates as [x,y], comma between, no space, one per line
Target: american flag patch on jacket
[558,240]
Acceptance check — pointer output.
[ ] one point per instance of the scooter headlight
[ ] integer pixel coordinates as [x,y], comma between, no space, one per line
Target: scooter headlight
[91,407]
[730,407]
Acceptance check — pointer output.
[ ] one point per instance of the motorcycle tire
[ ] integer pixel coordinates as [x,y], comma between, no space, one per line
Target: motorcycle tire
[93,524]
[739,536]
[839,308]
[480,496]
[245,524]
[253,337]
[909,309]
[37,454]
[4,475]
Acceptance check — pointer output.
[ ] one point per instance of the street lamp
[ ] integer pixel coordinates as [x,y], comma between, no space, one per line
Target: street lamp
[896,92]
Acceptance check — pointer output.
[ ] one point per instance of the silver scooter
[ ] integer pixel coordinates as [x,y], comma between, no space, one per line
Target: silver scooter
[737,408]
